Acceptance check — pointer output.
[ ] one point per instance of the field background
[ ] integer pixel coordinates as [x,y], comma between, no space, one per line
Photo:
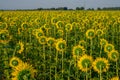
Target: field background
[59,45]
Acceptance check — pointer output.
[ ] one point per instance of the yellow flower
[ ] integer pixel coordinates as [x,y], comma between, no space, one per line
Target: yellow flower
[50,41]
[60,32]
[113,55]
[85,63]
[100,65]
[20,47]
[46,26]
[42,40]
[39,33]
[115,78]
[23,72]
[60,24]
[15,61]
[68,27]
[3,25]
[60,45]
[90,33]
[54,20]
[103,42]
[77,51]
[99,32]
[108,48]
[24,26]
[82,43]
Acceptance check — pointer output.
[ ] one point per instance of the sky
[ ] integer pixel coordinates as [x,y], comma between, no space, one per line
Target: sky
[34,4]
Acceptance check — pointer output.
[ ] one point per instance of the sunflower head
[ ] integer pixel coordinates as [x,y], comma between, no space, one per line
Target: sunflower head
[23,72]
[90,33]
[39,33]
[82,43]
[24,26]
[3,25]
[115,78]
[60,24]
[60,45]
[50,41]
[113,55]
[46,26]
[85,62]
[54,20]
[20,47]
[108,48]
[68,27]
[99,32]
[42,40]
[77,51]
[103,42]
[15,61]
[60,32]
[100,65]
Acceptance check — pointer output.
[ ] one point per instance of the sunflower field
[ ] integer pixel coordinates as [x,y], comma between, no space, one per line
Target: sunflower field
[59,45]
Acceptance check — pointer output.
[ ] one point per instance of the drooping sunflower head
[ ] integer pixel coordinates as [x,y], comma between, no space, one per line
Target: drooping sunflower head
[90,33]
[99,32]
[103,42]
[108,48]
[100,65]
[20,47]
[68,27]
[115,78]
[113,55]
[60,24]
[60,45]
[77,51]
[23,72]
[75,26]
[15,61]
[42,40]
[85,63]
[50,41]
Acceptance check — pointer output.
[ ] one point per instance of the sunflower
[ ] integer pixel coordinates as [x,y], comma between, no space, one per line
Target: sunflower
[54,20]
[42,40]
[46,26]
[60,32]
[115,78]
[24,26]
[20,47]
[103,42]
[60,45]
[39,33]
[78,51]
[100,65]
[90,33]
[15,61]
[23,72]
[50,41]
[82,43]
[60,24]
[113,55]
[108,48]
[68,27]
[4,36]
[85,62]
[3,25]
[99,32]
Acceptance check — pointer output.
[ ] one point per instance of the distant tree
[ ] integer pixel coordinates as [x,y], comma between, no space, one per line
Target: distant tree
[98,8]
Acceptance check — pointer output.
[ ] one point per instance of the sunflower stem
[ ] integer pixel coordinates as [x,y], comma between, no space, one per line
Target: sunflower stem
[91,53]
[62,63]
[86,72]
[100,73]
[44,59]
[116,68]
[50,62]
[56,65]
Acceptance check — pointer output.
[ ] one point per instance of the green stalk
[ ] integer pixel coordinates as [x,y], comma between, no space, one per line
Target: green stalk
[100,73]
[50,61]
[86,72]
[117,68]
[56,65]
[62,63]
[91,54]
[44,59]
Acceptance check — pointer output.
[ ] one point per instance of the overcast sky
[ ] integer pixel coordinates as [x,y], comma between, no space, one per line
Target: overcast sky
[33,4]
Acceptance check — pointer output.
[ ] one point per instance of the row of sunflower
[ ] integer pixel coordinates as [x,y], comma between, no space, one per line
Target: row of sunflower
[59,45]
